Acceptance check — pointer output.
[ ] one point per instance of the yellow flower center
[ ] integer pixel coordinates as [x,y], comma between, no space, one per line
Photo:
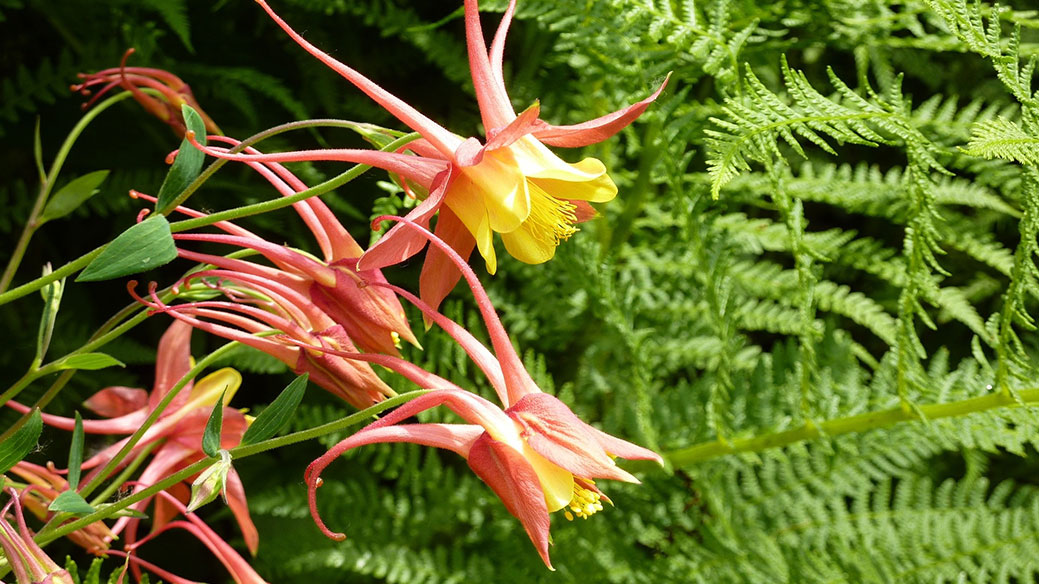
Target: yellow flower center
[551,220]
[584,504]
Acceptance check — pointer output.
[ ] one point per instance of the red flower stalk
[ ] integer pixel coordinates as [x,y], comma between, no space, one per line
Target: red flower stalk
[240,570]
[30,564]
[306,337]
[511,184]
[371,317]
[173,90]
[536,454]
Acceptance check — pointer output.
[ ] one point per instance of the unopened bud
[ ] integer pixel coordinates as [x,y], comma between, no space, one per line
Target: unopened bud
[211,482]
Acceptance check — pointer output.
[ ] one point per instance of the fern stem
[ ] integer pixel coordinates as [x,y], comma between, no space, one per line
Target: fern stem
[1009,350]
[792,212]
[848,425]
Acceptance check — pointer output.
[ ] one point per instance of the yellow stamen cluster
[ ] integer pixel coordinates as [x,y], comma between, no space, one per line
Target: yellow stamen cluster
[551,220]
[584,504]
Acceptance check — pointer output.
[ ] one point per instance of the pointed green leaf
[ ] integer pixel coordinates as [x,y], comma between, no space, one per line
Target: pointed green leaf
[37,152]
[147,245]
[76,453]
[188,164]
[73,195]
[276,415]
[21,442]
[51,300]
[89,362]
[70,502]
[211,437]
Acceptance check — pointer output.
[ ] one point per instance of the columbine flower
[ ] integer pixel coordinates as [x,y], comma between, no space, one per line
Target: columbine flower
[30,564]
[173,90]
[536,454]
[511,184]
[179,428]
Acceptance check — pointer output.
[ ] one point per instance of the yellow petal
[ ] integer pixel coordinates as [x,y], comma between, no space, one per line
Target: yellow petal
[205,393]
[597,190]
[467,203]
[497,185]
[586,180]
[524,246]
[557,483]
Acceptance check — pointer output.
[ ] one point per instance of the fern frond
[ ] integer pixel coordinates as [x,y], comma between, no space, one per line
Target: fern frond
[175,14]
[26,89]
[754,125]
[1001,138]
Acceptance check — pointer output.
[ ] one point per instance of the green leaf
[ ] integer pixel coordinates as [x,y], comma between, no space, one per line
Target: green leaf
[276,415]
[147,245]
[89,361]
[37,152]
[51,300]
[76,453]
[188,164]
[211,437]
[70,502]
[73,195]
[21,442]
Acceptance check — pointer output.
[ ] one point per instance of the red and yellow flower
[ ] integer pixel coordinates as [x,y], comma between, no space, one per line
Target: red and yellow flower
[510,184]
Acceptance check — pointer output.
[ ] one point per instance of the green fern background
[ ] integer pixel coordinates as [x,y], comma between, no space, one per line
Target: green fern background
[831,212]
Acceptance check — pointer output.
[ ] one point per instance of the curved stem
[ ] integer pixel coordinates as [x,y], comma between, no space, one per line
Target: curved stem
[333,183]
[255,139]
[257,208]
[32,223]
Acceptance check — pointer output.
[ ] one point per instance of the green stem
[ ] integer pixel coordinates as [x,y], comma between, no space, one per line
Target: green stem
[66,270]
[124,476]
[81,262]
[100,338]
[132,441]
[32,223]
[40,403]
[257,208]
[850,424]
[29,377]
[46,535]
[251,140]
